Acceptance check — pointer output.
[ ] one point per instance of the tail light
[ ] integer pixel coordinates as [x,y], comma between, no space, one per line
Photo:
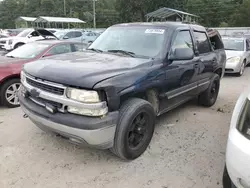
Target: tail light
[244,120]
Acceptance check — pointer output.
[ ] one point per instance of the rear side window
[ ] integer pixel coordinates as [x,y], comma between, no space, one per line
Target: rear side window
[202,42]
[183,40]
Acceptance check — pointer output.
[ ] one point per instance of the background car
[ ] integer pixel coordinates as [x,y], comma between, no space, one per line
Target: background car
[76,35]
[26,36]
[11,64]
[237,170]
[238,54]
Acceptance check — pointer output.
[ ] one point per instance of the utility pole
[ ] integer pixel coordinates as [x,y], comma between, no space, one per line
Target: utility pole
[64,7]
[94,19]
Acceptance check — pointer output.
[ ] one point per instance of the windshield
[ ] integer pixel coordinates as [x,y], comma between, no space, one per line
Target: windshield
[141,41]
[24,33]
[234,44]
[28,51]
[60,34]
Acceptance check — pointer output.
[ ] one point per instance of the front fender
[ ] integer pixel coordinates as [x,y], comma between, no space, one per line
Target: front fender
[131,83]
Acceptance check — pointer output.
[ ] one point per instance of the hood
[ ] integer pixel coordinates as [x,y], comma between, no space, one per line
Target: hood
[232,53]
[7,61]
[45,33]
[83,69]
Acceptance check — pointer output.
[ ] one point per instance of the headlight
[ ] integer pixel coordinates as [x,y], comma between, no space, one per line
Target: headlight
[244,120]
[87,112]
[83,95]
[234,60]
[22,76]
[10,42]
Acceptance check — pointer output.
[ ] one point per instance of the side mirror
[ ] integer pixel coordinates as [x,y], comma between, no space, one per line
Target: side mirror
[29,36]
[65,37]
[182,54]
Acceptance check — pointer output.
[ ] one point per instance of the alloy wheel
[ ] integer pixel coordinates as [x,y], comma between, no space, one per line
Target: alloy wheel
[11,94]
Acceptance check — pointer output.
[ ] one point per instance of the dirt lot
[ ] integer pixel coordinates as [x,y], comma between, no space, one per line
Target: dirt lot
[187,150]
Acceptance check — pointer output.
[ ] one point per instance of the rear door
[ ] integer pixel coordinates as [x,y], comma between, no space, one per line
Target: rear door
[207,58]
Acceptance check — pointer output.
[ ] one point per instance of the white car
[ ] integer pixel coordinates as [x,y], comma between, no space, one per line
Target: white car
[26,36]
[238,54]
[237,170]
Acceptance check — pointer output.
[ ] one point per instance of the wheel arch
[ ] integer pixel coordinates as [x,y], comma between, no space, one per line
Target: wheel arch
[151,95]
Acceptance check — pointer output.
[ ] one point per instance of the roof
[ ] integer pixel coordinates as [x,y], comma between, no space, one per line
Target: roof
[167,12]
[59,20]
[27,19]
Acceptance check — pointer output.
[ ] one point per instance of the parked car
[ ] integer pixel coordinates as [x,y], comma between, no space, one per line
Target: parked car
[3,38]
[26,36]
[69,35]
[11,65]
[109,96]
[76,35]
[238,54]
[237,170]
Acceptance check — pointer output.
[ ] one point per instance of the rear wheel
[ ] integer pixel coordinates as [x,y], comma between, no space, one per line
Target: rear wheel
[9,93]
[134,130]
[209,97]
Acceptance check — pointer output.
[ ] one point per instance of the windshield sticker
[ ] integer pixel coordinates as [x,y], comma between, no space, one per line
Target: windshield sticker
[155,31]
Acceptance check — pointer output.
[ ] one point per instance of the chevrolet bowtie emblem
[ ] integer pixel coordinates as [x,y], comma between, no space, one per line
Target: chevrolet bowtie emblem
[34,93]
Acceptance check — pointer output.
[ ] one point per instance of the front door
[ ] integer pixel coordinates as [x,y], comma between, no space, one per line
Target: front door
[182,75]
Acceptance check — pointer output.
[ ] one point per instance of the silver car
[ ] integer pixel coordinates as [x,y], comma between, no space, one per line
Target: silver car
[238,54]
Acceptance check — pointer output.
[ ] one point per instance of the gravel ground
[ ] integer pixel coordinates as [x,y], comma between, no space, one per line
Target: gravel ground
[187,150]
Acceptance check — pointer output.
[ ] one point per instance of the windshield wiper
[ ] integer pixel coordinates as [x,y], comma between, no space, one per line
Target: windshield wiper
[10,56]
[131,54]
[95,50]
[230,49]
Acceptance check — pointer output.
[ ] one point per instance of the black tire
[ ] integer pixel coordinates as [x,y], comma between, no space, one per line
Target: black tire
[226,181]
[209,97]
[130,111]
[18,45]
[242,69]
[3,91]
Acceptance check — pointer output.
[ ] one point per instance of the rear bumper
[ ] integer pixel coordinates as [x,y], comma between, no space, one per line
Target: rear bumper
[92,131]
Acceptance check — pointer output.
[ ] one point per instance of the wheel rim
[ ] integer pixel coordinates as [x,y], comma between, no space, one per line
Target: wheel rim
[11,94]
[214,90]
[242,69]
[139,131]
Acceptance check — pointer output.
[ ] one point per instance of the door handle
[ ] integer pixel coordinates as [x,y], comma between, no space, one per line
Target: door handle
[196,66]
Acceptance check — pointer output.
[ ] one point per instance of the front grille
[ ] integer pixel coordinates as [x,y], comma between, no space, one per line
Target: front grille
[229,70]
[45,87]
[43,102]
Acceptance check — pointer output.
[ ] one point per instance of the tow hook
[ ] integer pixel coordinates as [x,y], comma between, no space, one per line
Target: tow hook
[25,116]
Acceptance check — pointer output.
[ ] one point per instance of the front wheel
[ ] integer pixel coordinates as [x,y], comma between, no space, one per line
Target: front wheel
[9,93]
[242,69]
[134,130]
[209,97]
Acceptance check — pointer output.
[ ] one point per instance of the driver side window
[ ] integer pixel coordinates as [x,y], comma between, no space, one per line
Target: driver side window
[34,34]
[60,49]
[70,35]
[182,40]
